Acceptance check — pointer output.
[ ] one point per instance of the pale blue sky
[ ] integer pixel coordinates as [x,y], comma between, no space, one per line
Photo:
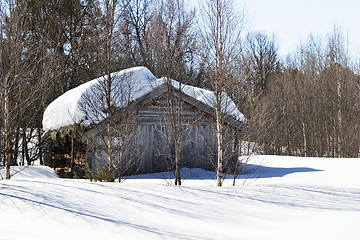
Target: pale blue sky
[292,21]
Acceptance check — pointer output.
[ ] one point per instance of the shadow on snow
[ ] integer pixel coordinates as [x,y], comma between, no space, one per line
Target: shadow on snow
[257,171]
[250,171]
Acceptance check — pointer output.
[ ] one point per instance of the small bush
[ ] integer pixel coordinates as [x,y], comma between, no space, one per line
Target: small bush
[102,175]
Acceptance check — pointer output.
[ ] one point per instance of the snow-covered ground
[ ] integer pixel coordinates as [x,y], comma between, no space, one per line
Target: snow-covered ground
[284,198]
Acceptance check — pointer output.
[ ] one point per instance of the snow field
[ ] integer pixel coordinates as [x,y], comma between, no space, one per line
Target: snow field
[285,198]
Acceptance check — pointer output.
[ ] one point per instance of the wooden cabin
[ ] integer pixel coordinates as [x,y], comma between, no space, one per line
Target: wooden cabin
[143,129]
[152,149]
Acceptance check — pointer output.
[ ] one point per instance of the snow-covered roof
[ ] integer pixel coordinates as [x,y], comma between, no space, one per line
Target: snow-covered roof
[66,110]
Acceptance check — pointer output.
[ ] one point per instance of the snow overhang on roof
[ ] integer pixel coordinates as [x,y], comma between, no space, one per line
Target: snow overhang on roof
[65,110]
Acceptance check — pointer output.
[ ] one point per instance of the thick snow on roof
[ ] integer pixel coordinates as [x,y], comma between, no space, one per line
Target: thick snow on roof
[65,110]
[208,97]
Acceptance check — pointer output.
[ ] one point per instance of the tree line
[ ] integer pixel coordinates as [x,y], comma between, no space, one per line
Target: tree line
[311,103]
[306,104]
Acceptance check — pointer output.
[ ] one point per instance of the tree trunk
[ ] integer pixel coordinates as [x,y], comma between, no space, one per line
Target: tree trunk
[110,8]
[110,154]
[218,91]
[40,146]
[219,138]
[27,140]
[339,116]
[7,127]
[15,152]
[177,164]
[72,152]
[237,154]
[304,139]
[23,150]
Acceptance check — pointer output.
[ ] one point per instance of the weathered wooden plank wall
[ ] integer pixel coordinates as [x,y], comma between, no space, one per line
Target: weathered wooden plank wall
[152,141]
[155,136]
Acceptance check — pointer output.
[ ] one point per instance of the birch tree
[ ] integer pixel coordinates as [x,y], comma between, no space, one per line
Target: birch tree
[173,46]
[221,32]
[106,86]
[24,80]
[114,127]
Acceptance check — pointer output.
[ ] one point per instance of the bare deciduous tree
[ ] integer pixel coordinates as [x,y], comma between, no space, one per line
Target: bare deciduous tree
[221,32]
[302,111]
[113,127]
[103,102]
[172,40]
[135,17]
[23,82]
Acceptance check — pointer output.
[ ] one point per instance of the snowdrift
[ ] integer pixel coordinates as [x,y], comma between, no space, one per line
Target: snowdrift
[29,172]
